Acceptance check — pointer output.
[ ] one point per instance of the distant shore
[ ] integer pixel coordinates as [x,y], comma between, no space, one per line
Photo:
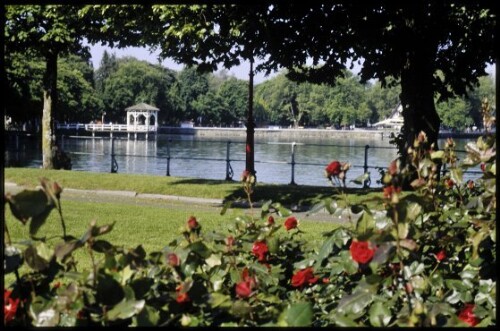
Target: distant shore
[279,134]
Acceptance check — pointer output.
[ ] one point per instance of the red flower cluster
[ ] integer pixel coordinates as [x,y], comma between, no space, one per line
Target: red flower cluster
[10,306]
[192,223]
[333,169]
[245,287]
[303,277]
[291,223]
[260,250]
[390,190]
[467,315]
[450,183]
[361,251]
[270,220]
[182,296]
[173,260]
[441,255]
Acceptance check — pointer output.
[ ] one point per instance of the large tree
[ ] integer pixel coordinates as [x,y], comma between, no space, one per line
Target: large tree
[403,42]
[46,31]
[209,36]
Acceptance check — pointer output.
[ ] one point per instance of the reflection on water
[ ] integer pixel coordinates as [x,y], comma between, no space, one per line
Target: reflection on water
[193,157]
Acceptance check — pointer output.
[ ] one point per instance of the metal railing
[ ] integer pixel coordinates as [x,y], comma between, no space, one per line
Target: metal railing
[229,173]
[227,160]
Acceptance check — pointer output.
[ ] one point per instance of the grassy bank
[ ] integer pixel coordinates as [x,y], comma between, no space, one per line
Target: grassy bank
[192,187]
[152,226]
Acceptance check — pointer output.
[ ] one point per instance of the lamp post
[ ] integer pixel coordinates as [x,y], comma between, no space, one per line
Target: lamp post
[102,119]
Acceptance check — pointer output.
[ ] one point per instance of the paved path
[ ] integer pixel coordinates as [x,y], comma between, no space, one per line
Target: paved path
[157,200]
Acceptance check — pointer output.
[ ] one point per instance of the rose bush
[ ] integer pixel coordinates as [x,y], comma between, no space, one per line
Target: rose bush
[428,258]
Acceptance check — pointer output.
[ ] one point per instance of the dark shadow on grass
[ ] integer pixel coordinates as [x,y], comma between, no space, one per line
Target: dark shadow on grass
[200,181]
[292,196]
[296,196]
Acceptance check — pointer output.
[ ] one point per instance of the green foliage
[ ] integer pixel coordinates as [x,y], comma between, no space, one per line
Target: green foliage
[136,81]
[427,259]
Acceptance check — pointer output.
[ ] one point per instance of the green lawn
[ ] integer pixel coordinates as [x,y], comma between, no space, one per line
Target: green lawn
[192,187]
[152,226]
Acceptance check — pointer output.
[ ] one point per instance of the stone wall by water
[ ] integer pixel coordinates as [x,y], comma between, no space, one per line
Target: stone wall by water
[278,134]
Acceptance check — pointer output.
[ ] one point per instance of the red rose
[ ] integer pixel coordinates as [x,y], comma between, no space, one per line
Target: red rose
[230,241]
[483,167]
[291,223]
[270,220]
[182,298]
[467,315]
[243,289]
[390,190]
[470,184]
[192,223]
[441,255]
[303,277]
[10,306]
[333,169]
[173,260]
[393,168]
[260,250]
[245,286]
[449,183]
[361,251]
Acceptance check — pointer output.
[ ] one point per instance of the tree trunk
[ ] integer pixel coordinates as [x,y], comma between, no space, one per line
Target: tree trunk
[249,149]
[49,111]
[419,111]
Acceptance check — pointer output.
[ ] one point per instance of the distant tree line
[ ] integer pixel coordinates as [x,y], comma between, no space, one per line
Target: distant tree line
[218,99]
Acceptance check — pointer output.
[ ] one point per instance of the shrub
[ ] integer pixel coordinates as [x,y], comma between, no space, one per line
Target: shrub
[428,259]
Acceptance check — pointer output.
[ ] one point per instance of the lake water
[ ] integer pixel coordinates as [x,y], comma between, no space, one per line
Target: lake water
[206,158]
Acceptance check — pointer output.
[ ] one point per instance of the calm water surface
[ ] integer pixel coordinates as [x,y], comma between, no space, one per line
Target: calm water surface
[206,158]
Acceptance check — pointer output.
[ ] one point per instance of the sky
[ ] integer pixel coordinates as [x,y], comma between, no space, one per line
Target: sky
[240,72]
[96,51]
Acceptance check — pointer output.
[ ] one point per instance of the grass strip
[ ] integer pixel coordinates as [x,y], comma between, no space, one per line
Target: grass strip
[300,195]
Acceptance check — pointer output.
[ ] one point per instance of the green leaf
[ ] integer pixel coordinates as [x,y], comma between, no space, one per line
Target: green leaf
[34,260]
[64,249]
[355,303]
[299,314]
[214,260]
[325,250]
[273,245]
[380,315]
[38,220]
[148,316]
[200,248]
[413,210]
[437,155]
[361,179]
[102,246]
[343,321]
[219,300]
[27,204]
[125,309]
[365,223]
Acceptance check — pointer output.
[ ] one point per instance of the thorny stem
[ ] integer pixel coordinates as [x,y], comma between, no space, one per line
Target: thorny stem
[248,191]
[94,267]
[59,209]
[398,252]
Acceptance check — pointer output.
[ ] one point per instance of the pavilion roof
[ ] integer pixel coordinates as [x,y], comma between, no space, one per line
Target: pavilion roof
[142,107]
